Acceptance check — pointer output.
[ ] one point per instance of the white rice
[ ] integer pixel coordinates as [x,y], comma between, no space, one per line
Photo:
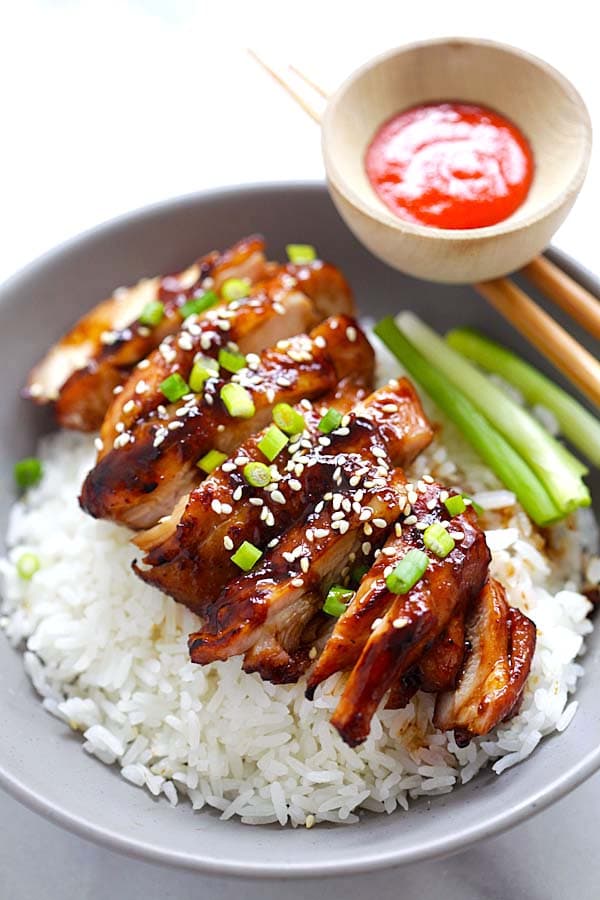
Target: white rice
[108,655]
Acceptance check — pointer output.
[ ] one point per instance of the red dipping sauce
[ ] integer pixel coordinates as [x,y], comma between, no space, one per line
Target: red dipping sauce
[450,165]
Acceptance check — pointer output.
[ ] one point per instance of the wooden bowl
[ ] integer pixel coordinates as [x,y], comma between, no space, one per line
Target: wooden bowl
[537,98]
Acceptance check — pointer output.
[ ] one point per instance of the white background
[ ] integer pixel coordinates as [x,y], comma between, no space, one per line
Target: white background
[106,106]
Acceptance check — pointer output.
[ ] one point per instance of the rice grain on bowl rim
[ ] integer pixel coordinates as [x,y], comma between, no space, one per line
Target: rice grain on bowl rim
[108,654]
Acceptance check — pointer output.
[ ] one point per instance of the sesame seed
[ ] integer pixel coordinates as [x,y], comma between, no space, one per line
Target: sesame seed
[237,494]
[321,532]
[344,526]
[309,535]
[118,389]
[367,529]
[410,520]
[337,516]
[324,441]
[427,479]
[341,432]
[256,501]
[277,497]
[398,529]
[121,440]
[289,557]
[127,407]
[141,387]
[351,333]
[185,341]
[457,535]
[205,340]
[98,444]
[216,506]
[143,364]
[270,518]
[401,622]
[273,543]
[431,504]
[365,513]
[172,426]
[366,548]
[297,582]
[312,654]
[389,551]
[376,623]
[294,484]
[412,497]
[388,571]
[228,466]
[264,513]
[305,564]
[389,407]
[379,523]
[319,507]
[320,341]
[444,496]
[421,526]
[354,481]
[227,542]
[226,509]
[378,451]
[119,427]
[279,308]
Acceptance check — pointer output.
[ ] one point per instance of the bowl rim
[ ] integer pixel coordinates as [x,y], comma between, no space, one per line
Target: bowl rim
[383,216]
[147,851]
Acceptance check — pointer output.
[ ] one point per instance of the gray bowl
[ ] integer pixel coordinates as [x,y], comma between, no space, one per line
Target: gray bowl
[41,761]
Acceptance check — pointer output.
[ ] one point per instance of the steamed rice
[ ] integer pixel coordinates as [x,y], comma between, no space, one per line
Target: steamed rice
[108,655]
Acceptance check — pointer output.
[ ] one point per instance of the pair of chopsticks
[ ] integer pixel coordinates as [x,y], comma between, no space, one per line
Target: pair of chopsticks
[529,319]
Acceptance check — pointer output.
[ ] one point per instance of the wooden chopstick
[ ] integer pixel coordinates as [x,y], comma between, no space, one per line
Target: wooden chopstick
[539,328]
[543,332]
[566,293]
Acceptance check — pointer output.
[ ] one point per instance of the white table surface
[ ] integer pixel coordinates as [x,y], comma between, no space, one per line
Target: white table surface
[110,105]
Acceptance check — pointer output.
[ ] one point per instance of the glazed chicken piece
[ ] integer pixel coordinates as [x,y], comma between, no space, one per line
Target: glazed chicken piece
[501,642]
[382,635]
[188,555]
[264,613]
[81,371]
[154,463]
[438,668]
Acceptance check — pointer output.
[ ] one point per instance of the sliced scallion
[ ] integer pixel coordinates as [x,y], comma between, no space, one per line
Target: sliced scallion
[152,313]
[27,565]
[174,387]
[246,556]
[437,539]
[455,505]
[28,472]
[408,572]
[557,469]
[272,442]
[330,421]
[237,401]
[495,451]
[288,419]
[198,304]
[575,422]
[211,460]
[231,360]
[257,474]
[300,253]
[204,368]
[337,600]
[235,289]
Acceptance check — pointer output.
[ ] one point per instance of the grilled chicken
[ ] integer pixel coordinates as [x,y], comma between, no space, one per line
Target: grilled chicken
[501,643]
[382,635]
[153,464]
[438,668]
[351,474]
[188,554]
[81,371]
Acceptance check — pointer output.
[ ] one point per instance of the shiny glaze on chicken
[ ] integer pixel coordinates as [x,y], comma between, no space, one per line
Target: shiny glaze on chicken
[80,373]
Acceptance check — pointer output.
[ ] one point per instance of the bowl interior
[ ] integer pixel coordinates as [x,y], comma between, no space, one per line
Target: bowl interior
[41,762]
[540,101]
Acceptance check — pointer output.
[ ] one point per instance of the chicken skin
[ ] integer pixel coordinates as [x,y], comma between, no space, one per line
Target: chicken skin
[79,374]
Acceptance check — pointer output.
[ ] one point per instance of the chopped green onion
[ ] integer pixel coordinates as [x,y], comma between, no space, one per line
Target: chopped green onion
[575,422]
[211,461]
[198,304]
[495,451]
[237,400]
[28,472]
[337,600]
[437,539]
[300,253]
[330,421]
[235,289]
[272,442]
[231,360]
[204,368]
[152,313]
[174,387]
[257,474]
[455,505]
[557,469]
[27,565]
[409,570]
[246,556]
[288,419]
